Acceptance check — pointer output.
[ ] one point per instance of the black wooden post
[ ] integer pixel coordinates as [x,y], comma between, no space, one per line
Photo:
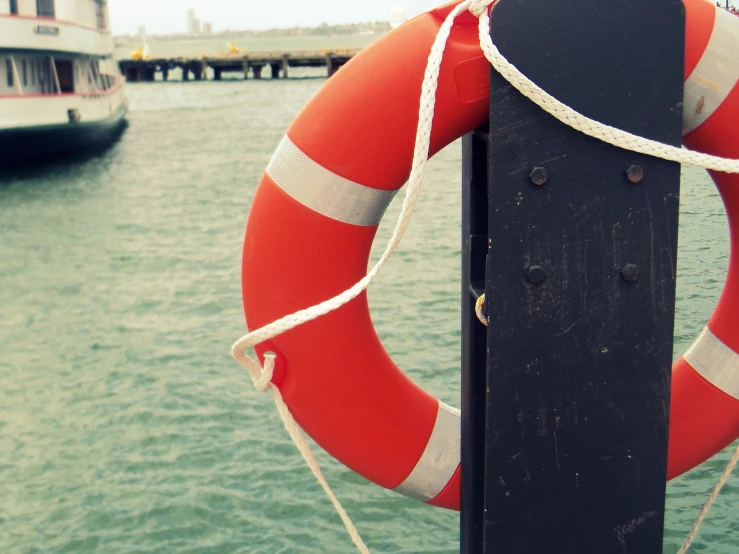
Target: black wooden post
[580,286]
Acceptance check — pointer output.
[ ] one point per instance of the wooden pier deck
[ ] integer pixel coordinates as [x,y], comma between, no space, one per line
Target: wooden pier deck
[279,64]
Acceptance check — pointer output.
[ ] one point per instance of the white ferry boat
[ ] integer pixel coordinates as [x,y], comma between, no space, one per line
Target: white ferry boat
[60,87]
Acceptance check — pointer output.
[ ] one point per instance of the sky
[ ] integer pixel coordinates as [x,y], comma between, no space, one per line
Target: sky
[170,16]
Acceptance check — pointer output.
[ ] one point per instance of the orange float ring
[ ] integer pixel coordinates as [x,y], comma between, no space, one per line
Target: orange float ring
[316,212]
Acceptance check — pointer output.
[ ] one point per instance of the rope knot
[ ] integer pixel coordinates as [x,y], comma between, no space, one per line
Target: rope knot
[261,376]
[478,7]
[263,381]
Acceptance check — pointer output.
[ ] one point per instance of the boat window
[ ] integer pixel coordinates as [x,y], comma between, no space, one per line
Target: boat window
[14,7]
[9,69]
[45,8]
[43,75]
[24,65]
[33,72]
[100,11]
[64,73]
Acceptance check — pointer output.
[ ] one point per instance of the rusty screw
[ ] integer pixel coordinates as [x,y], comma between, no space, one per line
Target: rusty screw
[635,173]
[539,175]
[630,272]
[536,274]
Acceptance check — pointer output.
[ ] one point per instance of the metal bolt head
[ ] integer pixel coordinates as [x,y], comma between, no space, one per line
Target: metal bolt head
[536,274]
[539,175]
[630,272]
[635,173]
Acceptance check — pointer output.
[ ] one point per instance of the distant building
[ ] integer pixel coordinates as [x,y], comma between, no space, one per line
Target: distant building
[142,32]
[207,28]
[190,19]
[193,23]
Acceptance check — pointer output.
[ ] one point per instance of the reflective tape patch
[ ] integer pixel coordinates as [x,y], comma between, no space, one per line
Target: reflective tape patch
[716,73]
[715,361]
[439,460]
[324,192]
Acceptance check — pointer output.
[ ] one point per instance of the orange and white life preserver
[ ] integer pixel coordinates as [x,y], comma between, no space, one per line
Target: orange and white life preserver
[704,414]
[316,212]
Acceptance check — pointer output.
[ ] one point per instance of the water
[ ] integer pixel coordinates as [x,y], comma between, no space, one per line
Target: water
[125,426]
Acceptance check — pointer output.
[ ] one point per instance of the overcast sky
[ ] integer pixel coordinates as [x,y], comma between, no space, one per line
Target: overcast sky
[170,16]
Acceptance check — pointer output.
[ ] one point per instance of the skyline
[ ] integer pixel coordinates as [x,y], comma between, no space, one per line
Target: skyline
[170,16]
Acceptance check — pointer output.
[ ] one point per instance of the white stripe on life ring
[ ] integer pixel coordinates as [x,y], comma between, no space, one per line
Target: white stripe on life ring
[716,362]
[323,191]
[439,460]
[716,73]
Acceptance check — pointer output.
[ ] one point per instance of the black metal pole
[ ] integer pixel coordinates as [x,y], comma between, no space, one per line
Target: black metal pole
[580,286]
[474,336]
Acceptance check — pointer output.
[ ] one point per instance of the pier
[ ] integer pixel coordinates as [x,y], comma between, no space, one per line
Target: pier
[278,63]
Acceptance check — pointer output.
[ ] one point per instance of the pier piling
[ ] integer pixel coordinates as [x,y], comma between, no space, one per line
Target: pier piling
[197,67]
[131,74]
[285,66]
[330,67]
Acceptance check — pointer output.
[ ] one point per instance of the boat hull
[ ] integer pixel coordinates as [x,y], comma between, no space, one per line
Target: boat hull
[43,142]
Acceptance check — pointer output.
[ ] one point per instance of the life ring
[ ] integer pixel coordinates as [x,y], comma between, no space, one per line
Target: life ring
[321,199]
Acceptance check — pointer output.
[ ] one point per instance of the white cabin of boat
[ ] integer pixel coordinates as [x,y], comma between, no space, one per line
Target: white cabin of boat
[57,64]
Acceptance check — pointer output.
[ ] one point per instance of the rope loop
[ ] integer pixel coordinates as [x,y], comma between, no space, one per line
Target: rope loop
[260,376]
[263,383]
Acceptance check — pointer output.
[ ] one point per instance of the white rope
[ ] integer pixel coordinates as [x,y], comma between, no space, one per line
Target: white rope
[262,377]
[711,499]
[590,127]
[420,159]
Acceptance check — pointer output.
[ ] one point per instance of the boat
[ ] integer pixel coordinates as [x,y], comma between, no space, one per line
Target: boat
[60,86]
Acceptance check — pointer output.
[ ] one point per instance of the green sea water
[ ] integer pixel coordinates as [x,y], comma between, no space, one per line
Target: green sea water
[125,426]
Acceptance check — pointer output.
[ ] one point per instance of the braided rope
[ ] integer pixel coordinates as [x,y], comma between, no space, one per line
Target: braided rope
[587,126]
[418,169]
[262,377]
[711,499]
